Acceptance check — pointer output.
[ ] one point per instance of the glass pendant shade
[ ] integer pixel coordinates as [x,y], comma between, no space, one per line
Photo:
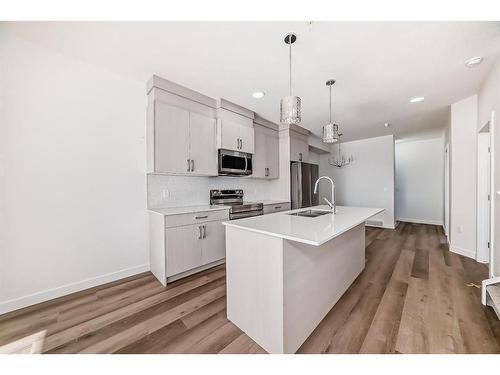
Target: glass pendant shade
[290,110]
[330,133]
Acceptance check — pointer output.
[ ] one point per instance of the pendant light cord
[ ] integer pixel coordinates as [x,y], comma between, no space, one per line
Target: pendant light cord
[290,59]
[330,116]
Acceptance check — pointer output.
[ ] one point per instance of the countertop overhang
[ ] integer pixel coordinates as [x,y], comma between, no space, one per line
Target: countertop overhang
[309,230]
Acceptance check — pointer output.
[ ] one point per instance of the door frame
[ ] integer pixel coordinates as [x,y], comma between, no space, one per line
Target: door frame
[447,191]
[493,193]
[483,195]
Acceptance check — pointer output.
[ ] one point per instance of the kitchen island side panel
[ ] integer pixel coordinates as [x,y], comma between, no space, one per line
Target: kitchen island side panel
[315,277]
[254,272]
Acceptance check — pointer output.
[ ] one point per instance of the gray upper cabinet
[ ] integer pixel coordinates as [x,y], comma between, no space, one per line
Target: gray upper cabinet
[266,158]
[185,141]
[202,146]
[299,147]
[235,127]
[181,130]
[171,142]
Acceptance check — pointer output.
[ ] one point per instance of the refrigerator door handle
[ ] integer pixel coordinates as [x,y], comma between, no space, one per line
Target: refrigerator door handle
[299,183]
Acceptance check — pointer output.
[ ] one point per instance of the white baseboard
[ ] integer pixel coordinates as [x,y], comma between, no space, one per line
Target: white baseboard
[420,221]
[464,252]
[45,295]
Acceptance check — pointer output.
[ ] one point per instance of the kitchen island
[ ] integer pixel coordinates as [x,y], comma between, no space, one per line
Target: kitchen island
[286,271]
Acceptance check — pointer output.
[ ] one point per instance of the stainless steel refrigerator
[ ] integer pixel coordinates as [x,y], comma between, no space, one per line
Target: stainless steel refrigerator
[303,177]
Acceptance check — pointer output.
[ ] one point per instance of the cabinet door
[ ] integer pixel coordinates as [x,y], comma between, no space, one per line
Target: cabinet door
[183,248]
[213,244]
[273,156]
[259,159]
[230,134]
[247,139]
[299,148]
[203,144]
[171,139]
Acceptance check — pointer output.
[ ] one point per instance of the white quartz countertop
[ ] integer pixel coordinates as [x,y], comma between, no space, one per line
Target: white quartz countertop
[309,230]
[188,209]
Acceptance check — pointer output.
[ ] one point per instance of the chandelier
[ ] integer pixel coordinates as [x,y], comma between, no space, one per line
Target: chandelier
[290,105]
[330,130]
[341,160]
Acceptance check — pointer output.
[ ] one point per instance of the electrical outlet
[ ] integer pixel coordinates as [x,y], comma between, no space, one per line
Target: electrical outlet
[165,194]
[460,229]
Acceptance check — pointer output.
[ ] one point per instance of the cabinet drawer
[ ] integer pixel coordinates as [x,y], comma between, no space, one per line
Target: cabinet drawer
[195,218]
[270,208]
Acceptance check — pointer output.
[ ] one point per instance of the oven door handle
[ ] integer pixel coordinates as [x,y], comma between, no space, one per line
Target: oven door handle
[242,215]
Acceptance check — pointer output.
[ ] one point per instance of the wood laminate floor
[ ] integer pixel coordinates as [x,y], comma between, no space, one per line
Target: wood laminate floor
[412,297]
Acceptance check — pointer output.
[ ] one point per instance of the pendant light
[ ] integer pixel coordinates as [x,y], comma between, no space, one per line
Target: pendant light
[330,130]
[290,105]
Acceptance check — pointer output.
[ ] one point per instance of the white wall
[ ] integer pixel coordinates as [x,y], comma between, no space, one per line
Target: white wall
[463,176]
[369,180]
[488,103]
[72,183]
[419,181]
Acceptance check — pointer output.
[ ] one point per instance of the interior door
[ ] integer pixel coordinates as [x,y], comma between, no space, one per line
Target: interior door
[183,248]
[171,138]
[483,198]
[213,244]
[203,144]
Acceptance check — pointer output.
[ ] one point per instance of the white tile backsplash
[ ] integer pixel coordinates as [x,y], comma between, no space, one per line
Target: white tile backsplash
[177,191]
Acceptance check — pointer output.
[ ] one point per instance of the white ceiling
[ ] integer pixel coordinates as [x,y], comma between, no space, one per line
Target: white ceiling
[378,65]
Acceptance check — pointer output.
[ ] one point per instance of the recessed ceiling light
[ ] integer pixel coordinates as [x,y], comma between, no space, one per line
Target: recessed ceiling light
[386,125]
[416,99]
[258,94]
[473,62]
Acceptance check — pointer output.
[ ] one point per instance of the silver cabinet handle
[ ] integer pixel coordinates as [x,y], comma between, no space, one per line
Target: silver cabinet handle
[192,165]
[241,143]
[300,156]
[277,207]
[199,236]
[201,217]
[204,231]
[188,168]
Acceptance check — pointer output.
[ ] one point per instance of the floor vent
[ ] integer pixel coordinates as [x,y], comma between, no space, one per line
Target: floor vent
[375,223]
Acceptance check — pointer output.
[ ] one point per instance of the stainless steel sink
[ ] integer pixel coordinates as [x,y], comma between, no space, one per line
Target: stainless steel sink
[311,213]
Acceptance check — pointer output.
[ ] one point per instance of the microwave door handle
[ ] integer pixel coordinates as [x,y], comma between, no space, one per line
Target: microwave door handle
[246,164]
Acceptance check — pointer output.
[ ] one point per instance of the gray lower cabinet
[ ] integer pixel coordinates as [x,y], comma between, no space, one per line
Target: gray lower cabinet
[193,246]
[184,244]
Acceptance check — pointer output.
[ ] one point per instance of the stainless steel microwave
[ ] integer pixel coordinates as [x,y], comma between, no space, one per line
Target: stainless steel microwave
[234,163]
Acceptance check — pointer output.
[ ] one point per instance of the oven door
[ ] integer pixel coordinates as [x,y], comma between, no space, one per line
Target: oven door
[234,163]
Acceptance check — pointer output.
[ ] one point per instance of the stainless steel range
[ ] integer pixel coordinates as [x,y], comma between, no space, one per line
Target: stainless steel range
[234,198]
